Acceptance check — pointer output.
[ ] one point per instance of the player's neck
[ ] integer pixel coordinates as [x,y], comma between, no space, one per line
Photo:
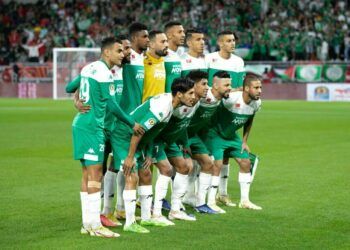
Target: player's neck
[224,54]
[176,102]
[216,94]
[246,98]
[136,49]
[194,54]
[108,64]
[173,46]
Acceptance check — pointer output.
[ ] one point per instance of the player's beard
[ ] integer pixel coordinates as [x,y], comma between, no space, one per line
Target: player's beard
[163,52]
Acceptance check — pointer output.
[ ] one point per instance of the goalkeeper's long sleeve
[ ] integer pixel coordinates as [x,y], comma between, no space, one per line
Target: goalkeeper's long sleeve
[119,113]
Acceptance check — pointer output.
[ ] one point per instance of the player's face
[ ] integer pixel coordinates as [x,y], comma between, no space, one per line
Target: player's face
[160,45]
[223,86]
[254,90]
[177,35]
[142,40]
[116,54]
[196,43]
[188,98]
[201,88]
[227,43]
[126,51]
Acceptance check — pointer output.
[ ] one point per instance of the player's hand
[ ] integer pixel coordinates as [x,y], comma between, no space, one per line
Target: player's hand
[187,151]
[128,164]
[138,129]
[81,107]
[245,147]
[147,163]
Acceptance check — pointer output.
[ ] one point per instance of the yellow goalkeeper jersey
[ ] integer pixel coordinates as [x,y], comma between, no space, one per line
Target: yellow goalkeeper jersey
[154,81]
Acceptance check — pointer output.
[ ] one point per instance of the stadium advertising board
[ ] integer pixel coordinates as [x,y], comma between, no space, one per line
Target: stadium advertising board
[328,92]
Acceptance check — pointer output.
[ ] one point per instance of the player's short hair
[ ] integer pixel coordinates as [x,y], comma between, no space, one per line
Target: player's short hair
[123,37]
[171,24]
[109,41]
[190,32]
[197,75]
[181,85]
[222,74]
[226,32]
[136,27]
[153,33]
[249,78]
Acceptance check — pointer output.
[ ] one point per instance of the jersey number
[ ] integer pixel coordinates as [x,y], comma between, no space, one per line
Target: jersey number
[84,90]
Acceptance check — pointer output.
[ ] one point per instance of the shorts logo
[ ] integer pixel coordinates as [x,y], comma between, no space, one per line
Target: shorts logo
[91,151]
[150,123]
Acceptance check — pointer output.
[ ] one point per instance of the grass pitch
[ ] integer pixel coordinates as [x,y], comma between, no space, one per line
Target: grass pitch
[302,183]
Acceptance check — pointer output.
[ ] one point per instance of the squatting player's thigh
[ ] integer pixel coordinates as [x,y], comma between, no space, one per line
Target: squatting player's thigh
[88,147]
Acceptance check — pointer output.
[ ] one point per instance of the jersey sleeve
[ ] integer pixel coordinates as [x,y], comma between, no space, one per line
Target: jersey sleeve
[72,86]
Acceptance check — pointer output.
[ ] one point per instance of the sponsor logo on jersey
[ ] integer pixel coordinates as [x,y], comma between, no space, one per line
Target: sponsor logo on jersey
[176,69]
[159,74]
[111,89]
[140,75]
[150,123]
[239,120]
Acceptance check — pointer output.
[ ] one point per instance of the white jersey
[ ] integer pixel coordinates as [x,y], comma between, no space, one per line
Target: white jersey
[172,63]
[234,66]
[189,63]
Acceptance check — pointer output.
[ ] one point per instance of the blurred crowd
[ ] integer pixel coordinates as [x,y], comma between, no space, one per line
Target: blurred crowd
[282,30]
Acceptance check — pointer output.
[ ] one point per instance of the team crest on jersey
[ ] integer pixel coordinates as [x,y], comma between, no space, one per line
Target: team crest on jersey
[161,114]
[237,105]
[188,60]
[111,89]
[133,56]
[208,99]
[113,71]
[214,60]
[150,123]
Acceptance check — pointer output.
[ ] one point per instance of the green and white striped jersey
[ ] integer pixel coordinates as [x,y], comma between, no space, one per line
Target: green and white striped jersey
[189,63]
[133,76]
[234,66]
[96,87]
[178,124]
[172,63]
[152,115]
[233,113]
[203,115]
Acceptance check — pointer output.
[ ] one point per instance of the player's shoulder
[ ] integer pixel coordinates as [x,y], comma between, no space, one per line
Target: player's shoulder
[256,105]
[136,58]
[172,56]
[185,111]
[211,56]
[98,71]
[209,100]
[236,59]
[234,97]
[161,105]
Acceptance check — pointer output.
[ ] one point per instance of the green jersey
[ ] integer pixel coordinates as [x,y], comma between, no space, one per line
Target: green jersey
[233,113]
[133,75]
[177,125]
[96,88]
[202,118]
[189,63]
[110,118]
[152,115]
[234,66]
[172,63]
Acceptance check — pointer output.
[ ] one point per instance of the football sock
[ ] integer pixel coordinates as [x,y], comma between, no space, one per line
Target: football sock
[84,209]
[225,170]
[204,184]
[213,189]
[160,193]
[244,180]
[120,189]
[108,191]
[129,197]
[179,190]
[146,197]
[94,201]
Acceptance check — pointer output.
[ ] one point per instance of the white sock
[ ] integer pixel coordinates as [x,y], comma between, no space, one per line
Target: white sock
[179,190]
[204,184]
[120,189]
[160,192]
[224,173]
[146,195]
[84,209]
[244,180]
[192,183]
[213,189]
[129,197]
[108,192]
[94,201]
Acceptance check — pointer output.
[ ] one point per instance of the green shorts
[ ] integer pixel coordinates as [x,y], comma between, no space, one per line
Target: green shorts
[220,147]
[120,150]
[175,150]
[88,147]
[197,145]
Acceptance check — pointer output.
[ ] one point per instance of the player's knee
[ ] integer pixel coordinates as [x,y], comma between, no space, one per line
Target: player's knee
[244,165]
[145,176]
